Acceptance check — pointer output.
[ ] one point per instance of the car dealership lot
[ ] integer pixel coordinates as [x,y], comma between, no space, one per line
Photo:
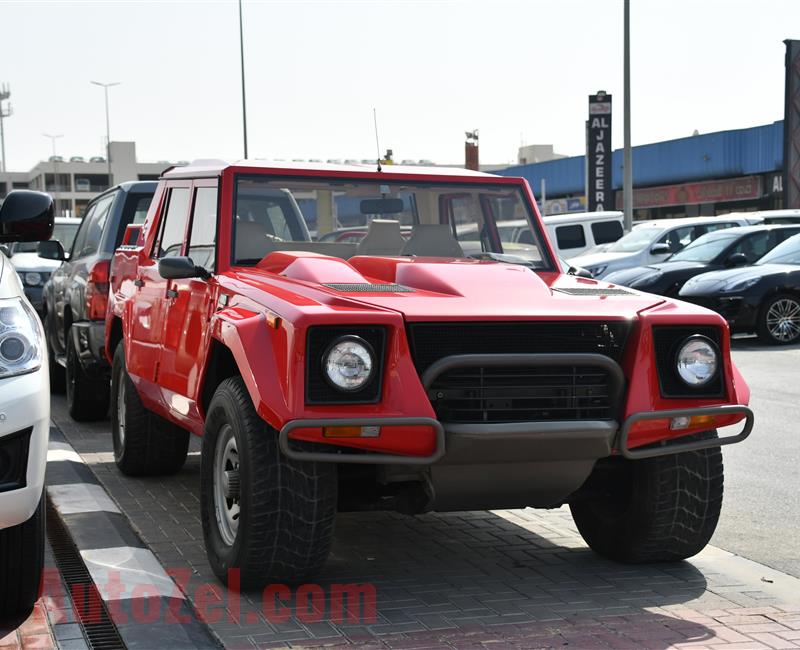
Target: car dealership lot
[522,577]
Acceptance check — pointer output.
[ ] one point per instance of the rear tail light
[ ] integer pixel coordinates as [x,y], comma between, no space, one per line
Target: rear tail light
[97,290]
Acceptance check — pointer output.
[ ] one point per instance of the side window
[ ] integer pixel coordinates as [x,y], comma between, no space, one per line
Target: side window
[606,232]
[92,228]
[753,247]
[570,237]
[526,237]
[80,238]
[678,238]
[174,224]
[203,236]
[711,227]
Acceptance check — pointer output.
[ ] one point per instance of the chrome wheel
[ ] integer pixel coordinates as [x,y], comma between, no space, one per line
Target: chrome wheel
[783,320]
[226,485]
[121,413]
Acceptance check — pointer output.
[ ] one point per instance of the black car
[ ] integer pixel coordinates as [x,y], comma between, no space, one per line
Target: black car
[763,298]
[721,249]
[76,296]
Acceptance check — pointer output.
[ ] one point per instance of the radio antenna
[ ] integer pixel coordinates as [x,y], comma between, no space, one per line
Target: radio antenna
[377,141]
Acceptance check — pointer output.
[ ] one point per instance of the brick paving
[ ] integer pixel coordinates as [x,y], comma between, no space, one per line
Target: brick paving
[504,579]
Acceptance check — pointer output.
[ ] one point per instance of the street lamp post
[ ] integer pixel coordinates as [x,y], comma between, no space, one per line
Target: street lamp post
[105,87]
[627,158]
[53,139]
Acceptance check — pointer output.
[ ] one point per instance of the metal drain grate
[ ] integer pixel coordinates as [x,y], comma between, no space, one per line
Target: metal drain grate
[90,610]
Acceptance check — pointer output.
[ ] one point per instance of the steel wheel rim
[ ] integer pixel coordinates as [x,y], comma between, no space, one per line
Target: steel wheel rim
[226,485]
[121,412]
[783,320]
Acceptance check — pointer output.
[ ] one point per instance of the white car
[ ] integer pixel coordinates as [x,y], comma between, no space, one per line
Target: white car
[653,241]
[24,412]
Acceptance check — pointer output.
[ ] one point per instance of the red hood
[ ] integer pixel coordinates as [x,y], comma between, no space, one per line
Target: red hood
[442,289]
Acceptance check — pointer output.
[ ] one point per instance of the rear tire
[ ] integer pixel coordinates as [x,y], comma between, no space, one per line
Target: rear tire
[662,509]
[144,444]
[779,320]
[87,398]
[57,378]
[268,515]
[21,562]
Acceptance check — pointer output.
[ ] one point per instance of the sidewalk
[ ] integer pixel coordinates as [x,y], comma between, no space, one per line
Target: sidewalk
[521,579]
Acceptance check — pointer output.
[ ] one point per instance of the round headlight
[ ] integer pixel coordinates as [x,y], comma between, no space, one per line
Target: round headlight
[33,279]
[697,361]
[348,363]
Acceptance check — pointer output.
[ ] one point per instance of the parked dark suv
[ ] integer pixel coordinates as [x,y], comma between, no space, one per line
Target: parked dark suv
[76,296]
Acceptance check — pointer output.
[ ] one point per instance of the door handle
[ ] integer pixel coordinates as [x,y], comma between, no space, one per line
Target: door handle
[138,282]
[171,293]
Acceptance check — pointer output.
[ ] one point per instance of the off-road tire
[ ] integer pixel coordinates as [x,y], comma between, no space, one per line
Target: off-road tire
[87,397]
[21,562]
[150,446]
[287,507]
[763,327]
[662,509]
[57,374]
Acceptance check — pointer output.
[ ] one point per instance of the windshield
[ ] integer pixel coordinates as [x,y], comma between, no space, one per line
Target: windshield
[786,253]
[637,239]
[705,248]
[63,232]
[387,219]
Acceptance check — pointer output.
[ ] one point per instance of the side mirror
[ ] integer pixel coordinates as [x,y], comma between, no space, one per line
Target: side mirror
[5,250]
[737,259]
[133,231]
[579,271]
[660,249]
[26,216]
[179,268]
[51,250]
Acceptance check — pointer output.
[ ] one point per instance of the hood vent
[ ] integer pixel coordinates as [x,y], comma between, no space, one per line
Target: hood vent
[369,288]
[594,291]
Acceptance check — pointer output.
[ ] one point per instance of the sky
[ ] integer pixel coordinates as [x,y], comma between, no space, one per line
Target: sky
[518,71]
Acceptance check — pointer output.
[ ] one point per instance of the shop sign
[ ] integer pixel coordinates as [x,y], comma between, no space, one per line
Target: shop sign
[599,152]
[734,189]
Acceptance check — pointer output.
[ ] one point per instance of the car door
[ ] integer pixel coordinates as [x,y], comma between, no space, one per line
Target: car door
[149,305]
[188,310]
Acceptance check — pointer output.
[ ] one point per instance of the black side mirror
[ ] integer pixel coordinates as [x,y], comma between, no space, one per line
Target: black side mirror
[579,271]
[26,216]
[660,249]
[179,268]
[737,259]
[5,250]
[51,250]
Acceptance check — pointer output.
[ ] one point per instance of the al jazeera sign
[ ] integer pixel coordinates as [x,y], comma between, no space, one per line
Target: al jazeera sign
[600,191]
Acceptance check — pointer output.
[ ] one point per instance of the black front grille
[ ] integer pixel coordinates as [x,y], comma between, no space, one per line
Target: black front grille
[433,341]
[14,459]
[474,395]
[667,341]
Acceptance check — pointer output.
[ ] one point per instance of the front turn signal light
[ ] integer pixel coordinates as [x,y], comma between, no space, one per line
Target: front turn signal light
[687,422]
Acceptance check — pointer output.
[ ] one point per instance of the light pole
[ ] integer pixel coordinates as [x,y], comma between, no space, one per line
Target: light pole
[627,162]
[5,112]
[241,57]
[105,88]
[53,139]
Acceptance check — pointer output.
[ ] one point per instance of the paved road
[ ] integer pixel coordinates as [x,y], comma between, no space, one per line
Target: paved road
[761,513]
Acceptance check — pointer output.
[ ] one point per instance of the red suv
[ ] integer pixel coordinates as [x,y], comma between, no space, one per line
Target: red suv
[440,371]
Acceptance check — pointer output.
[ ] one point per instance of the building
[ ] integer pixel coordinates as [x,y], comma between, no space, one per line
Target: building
[75,182]
[705,174]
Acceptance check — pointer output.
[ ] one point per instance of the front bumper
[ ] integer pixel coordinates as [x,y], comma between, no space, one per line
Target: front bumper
[24,404]
[740,312]
[35,297]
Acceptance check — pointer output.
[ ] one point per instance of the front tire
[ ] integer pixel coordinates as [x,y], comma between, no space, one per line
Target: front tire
[21,562]
[144,444]
[87,398]
[779,320]
[662,509]
[263,513]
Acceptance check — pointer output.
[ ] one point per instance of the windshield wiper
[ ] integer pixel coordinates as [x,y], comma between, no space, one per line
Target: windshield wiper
[504,257]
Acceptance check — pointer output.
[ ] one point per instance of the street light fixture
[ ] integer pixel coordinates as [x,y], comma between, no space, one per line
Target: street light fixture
[53,139]
[105,87]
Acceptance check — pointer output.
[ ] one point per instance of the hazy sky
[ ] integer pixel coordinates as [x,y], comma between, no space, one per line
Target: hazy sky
[517,71]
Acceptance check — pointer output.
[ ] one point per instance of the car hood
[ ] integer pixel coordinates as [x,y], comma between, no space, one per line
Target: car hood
[439,289]
[713,281]
[27,262]
[636,274]
[10,286]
